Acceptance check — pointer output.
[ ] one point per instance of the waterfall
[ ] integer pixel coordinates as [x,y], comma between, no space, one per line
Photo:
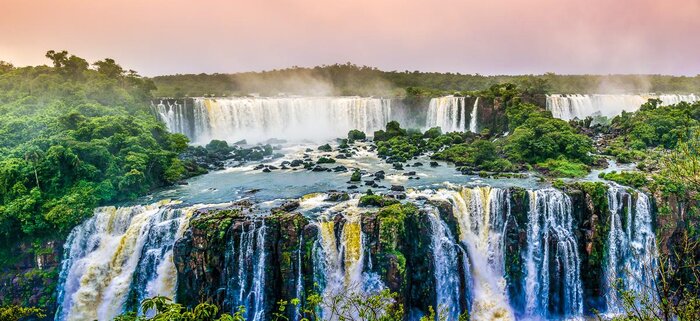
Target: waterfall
[247,262]
[176,116]
[290,118]
[445,261]
[340,255]
[552,264]
[447,113]
[300,279]
[113,250]
[482,213]
[632,251]
[473,115]
[569,107]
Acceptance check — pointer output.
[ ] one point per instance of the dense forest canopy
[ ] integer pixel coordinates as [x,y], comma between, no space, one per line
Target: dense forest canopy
[350,79]
[74,137]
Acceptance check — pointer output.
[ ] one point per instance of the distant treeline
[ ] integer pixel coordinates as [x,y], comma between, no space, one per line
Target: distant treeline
[350,79]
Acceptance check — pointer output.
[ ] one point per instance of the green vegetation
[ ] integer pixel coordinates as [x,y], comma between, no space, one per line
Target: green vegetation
[552,145]
[349,79]
[73,138]
[355,134]
[376,200]
[164,309]
[16,313]
[627,178]
[652,126]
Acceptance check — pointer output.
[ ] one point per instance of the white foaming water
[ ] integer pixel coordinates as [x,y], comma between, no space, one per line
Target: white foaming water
[289,118]
[568,107]
[246,261]
[105,254]
[550,238]
[632,248]
[482,213]
[472,116]
[445,257]
[339,260]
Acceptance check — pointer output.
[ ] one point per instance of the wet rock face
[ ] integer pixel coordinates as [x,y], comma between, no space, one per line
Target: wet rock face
[209,258]
[31,279]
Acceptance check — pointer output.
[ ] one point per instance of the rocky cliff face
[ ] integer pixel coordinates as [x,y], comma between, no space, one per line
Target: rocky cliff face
[397,242]
[30,275]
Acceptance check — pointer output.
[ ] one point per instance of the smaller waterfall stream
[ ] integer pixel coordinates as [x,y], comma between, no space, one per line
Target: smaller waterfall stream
[445,257]
[552,249]
[632,249]
[473,115]
[247,261]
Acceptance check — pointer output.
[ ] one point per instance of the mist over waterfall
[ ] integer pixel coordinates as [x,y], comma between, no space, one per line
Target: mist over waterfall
[450,114]
[573,106]
[289,118]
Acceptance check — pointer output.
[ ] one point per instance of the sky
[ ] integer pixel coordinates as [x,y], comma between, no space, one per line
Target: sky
[157,37]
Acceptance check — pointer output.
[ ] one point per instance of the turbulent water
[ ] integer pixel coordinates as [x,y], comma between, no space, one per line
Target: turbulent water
[450,114]
[114,249]
[246,267]
[631,247]
[552,249]
[568,107]
[123,255]
[289,118]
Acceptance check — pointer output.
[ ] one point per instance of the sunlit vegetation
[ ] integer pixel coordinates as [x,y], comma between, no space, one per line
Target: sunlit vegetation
[74,136]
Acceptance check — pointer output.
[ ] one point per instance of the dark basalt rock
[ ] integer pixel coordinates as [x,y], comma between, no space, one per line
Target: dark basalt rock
[296,163]
[319,169]
[398,188]
[266,170]
[287,206]
[337,197]
[434,164]
[417,164]
[340,169]
[397,166]
[396,195]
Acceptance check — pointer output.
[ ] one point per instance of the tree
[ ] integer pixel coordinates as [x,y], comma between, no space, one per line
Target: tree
[109,68]
[5,67]
[58,58]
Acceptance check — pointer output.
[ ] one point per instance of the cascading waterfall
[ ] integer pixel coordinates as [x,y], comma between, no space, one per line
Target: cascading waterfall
[473,116]
[482,213]
[569,107]
[632,249]
[123,255]
[447,113]
[176,116]
[300,278]
[444,250]
[246,264]
[114,249]
[290,118]
[340,258]
[551,243]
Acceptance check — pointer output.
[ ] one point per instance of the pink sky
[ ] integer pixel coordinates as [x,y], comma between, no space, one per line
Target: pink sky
[485,36]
